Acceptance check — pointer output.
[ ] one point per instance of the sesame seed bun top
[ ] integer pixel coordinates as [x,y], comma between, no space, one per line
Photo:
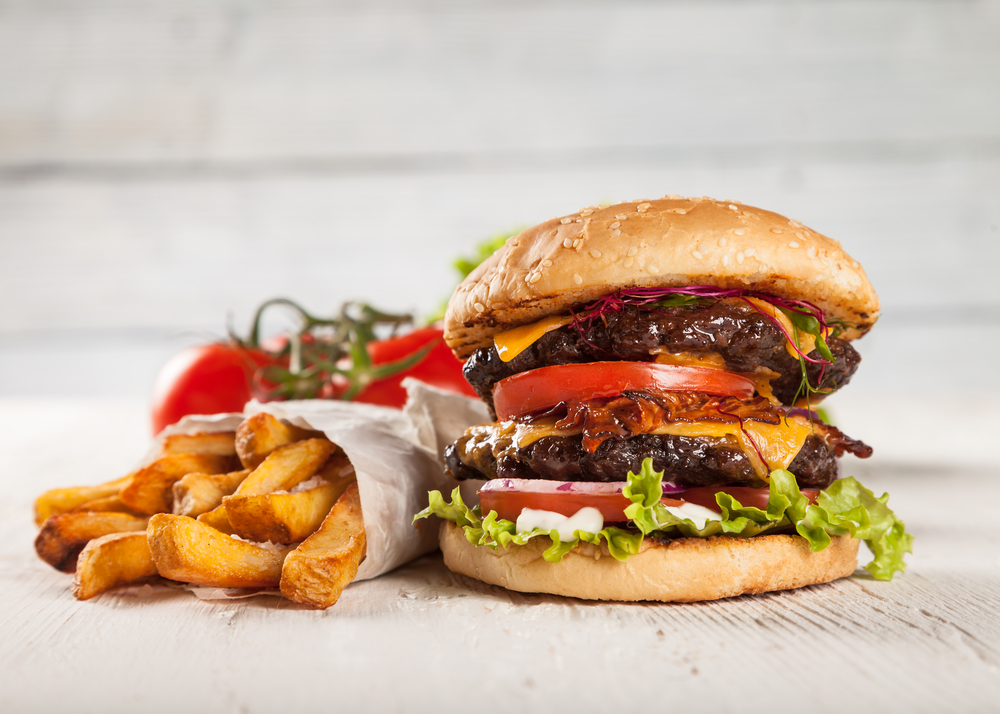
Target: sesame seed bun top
[662,243]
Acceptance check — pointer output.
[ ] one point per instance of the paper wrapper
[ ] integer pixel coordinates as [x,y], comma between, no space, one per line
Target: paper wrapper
[397,456]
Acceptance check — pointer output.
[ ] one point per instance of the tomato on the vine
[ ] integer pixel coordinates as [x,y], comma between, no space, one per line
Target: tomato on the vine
[440,368]
[205,379]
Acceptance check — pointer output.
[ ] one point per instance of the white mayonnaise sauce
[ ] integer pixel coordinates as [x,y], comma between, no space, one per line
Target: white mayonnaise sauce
[699,515]
[588,520]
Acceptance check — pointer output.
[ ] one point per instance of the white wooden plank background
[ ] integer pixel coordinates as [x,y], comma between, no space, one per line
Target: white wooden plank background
[424,640]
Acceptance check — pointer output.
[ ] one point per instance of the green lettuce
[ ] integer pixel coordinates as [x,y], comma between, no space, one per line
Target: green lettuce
[845,508]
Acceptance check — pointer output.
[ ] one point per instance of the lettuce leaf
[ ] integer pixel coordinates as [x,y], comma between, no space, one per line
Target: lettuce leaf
[845,508]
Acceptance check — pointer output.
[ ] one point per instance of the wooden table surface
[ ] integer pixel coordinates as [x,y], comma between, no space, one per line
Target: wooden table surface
[421,639]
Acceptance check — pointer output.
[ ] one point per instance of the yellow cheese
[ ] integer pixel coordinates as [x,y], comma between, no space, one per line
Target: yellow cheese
[807,342]
[778,443]
[708,360]
[511,343]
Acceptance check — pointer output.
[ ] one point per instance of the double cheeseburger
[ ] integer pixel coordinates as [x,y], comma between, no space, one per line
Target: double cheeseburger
[654,369]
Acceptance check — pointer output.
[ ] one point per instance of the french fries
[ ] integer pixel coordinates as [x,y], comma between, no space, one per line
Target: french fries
[219,443]
[218,519]
[192,552]
[64,500]
[150,489]
[64,535]
[199,493]
[298,488]
[317,572]
[110,561]
[111,504]
[261,434]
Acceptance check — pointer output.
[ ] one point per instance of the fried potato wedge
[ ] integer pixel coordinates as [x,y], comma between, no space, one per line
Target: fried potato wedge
[108,504]
[150,489]
[218,519]
[282,517]
[261,434]
[221,443]
[287,466]
[326,562]
[192,552]
[64,535]
[64,500]
[199,493]
[110,561]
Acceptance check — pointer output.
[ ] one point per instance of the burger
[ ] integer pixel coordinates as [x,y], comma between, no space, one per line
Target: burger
[655,370]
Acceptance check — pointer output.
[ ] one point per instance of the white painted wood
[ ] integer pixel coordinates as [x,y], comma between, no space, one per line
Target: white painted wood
[423,640]
[313,81]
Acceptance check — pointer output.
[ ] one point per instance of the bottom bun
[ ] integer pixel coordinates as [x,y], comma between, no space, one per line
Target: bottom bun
[682,570]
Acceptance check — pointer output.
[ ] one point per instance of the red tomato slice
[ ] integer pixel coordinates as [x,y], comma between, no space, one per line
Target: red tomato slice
[756,497]
[545,387]
[508,497]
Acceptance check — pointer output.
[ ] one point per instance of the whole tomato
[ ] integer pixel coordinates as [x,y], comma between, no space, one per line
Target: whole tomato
[205,379]
[440,368]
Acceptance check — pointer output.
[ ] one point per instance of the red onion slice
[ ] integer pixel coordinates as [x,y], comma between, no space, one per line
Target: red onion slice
[595,488]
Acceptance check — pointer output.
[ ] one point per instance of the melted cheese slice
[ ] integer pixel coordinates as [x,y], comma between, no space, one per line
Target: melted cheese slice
[511,343]
[778,443]
[807,342]
[708,360]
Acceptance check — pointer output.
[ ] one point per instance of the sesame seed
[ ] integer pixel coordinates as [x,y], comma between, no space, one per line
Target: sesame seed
[793,244]
[812,252]
[628,262]
[739,231]
[777,230]
[794,224]
[632,251]
[616,232]
[577,279]
[479,307]
[653,269]
[586,211]
[801,236]
[697,255]
[615,224]
[739,257]
[749,252]
[546,263]
[723,241]
[577,243]
[566,220]
[642,207]
[733,207]
[621,216]
[595,253]
[725,259]
[568,243]
[535,278]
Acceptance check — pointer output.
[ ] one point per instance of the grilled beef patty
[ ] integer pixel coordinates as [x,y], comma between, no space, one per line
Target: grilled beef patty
[744,338]
[688,461]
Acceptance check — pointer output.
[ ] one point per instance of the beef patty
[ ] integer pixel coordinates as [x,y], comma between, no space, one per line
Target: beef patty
[687,461]
[741,335]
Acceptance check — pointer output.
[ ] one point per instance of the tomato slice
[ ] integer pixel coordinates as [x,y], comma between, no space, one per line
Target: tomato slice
[545,387]
[756,497]
[508,497]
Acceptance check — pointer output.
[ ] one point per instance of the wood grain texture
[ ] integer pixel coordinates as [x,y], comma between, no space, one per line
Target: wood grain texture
[925,642]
